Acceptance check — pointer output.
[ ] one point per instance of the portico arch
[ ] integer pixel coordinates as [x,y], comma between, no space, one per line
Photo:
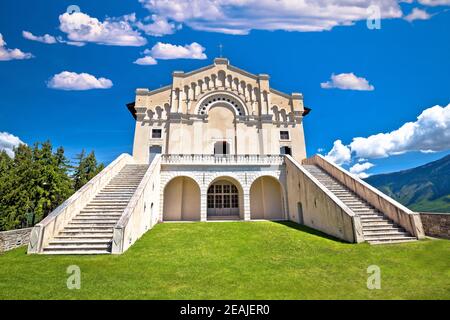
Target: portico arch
[225,199]
[266,199]
[181,200]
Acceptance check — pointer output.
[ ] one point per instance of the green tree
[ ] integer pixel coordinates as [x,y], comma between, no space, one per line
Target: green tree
[85,169]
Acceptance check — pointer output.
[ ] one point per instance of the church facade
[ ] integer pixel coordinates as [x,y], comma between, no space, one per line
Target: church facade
[222,132]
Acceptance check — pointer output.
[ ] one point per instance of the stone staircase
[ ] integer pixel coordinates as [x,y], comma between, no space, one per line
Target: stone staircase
[91,230]
[377,228]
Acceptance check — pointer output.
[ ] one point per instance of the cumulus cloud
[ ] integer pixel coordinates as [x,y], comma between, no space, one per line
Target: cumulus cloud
[146,61]
[347,81]
[242,16]
[80,27]
[339,154]
[159,26]
[166,51]
[417,14]
[11,54]
[8,142]
[46,38]
[359,168]
[78,81]
[429,133]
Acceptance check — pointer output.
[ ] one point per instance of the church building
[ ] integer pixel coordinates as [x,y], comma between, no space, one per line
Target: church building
[219,144]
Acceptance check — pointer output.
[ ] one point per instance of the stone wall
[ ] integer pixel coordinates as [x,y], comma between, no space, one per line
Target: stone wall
[436,224]
[14,238]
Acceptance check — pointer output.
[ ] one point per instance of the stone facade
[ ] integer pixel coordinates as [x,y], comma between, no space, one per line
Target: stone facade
[436,224]
[218,106]
[14,238]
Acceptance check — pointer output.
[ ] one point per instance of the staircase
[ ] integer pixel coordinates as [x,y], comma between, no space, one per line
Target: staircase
[377,228]
[91,230]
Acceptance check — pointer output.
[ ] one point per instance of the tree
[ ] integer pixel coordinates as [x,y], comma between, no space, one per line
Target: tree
[37,180]
[86,168]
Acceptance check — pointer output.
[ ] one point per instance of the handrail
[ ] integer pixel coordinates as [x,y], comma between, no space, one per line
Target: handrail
[394,210]
[241,159]
[56,220]
[356,220]
[133,206]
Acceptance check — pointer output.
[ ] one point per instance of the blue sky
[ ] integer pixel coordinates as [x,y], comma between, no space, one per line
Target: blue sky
[407,63]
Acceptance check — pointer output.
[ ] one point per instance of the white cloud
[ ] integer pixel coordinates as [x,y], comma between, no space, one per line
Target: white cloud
[78,81]
[8,142]
[146,61]
[80,27]
[347,81]
[417,14]
[11,54]
[339,154]
[46,38]
[165,51]
[430,132]
[359,168]
[435,2]
[242,16]
[159,27]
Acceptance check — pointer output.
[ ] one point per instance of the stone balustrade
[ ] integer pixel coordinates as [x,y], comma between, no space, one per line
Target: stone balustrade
[209,159]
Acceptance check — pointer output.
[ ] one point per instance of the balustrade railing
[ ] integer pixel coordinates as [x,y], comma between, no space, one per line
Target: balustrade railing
[229,159]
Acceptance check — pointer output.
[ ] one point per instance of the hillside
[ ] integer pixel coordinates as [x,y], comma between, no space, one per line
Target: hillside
[425,188]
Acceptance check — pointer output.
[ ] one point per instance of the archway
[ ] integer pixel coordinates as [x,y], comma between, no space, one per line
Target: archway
[224,199]
[181,200]
[266,199]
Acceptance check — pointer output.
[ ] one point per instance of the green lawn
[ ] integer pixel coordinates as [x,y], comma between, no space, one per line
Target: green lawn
[235,260]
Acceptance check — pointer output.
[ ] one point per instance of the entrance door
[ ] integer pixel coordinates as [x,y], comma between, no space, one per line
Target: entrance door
[221,148]
[223,199]
[154,150]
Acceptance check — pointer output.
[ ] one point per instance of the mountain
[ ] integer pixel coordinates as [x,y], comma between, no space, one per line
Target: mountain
[425,188]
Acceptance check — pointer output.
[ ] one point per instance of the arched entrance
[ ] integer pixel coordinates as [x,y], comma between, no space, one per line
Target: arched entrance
[223,200]
[266,199]
[181,200]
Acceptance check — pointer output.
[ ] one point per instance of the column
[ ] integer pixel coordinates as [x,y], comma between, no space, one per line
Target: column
[247,205]
[203,207]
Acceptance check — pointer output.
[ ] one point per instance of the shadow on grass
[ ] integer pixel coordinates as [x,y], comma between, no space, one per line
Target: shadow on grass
[309,230]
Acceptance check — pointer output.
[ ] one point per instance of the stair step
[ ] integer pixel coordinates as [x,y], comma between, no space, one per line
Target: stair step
[86,227]
[82,237]
[93,221]
[387,237]
[86,247]
[382,233]
[75,251]
[80,242]
[391,241]
[87,233]
[93,224]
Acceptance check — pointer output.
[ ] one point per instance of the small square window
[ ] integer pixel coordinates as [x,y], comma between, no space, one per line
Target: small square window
[156,133]
[284,135]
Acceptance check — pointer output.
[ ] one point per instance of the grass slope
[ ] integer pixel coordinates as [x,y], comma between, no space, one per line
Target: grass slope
[235,260]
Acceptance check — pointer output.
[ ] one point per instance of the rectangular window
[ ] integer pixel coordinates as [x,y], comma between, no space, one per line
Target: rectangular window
[226,188]
[156,133]
[284,135]
[226,201]
[234,201]
[218,201]
[210,201]
[218,188]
